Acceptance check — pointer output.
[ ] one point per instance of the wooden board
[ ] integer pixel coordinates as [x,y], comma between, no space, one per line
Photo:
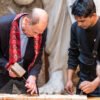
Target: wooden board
[94,98]
[41,97]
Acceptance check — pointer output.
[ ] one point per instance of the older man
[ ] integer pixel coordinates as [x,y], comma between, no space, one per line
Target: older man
[22,38]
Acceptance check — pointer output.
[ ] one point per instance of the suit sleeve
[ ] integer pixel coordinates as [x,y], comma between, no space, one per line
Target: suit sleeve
[38,64]
[3,60]
[73,50]
[5,24]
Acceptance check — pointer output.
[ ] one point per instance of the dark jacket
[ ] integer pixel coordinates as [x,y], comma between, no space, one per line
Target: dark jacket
[82,44]
[5,25]
[80,53]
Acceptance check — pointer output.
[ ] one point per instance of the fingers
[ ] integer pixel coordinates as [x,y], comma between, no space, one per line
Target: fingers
[82,85]
[12,74]
[69,87]
[86,87]
[69,90]
[31,88]
[87,90]
[34,91]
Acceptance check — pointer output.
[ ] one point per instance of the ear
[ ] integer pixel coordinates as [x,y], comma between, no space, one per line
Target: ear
[94,14]
[26,19]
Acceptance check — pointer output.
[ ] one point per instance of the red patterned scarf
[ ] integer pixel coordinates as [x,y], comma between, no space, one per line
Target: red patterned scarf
[14,44]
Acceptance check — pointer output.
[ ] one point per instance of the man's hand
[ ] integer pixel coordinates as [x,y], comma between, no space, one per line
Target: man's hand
[88,87]
[31,85]
[11,73]
[69,87]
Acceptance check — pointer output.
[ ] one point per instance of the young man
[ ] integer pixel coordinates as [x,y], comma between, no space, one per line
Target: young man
[84,34]
[22,39]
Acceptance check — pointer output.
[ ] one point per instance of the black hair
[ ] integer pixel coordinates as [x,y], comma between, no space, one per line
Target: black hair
[83,8]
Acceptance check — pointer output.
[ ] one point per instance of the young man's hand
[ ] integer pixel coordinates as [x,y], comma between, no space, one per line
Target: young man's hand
[31,85]
[69,87]
[89,87]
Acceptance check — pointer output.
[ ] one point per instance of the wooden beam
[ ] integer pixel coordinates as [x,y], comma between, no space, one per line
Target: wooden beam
[94,98]
[42,97]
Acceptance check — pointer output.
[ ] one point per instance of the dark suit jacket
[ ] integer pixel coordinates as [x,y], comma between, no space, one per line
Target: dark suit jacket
[5,25]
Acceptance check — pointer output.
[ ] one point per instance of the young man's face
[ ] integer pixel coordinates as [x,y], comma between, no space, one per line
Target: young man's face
[84,22]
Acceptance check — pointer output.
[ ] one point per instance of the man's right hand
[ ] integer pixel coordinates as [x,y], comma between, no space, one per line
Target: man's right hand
[69,87]
[11,73]
[31,85]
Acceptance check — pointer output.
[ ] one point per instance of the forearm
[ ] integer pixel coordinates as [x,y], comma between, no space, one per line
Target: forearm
[98,68]
[70,73]
[96,81]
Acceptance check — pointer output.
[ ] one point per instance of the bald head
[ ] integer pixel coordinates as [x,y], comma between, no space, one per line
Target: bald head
[39,15]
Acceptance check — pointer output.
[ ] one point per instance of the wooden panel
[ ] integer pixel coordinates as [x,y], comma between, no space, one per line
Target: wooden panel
[94,98]
[41,97]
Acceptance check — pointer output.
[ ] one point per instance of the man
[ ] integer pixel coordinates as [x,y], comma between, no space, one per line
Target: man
[22,39]
[84,33]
